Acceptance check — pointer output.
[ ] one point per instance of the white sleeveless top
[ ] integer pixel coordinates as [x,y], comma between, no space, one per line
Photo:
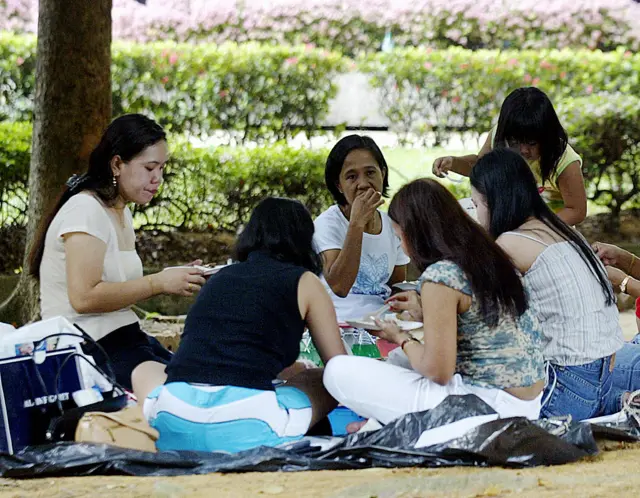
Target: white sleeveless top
[578,326]
[84,213]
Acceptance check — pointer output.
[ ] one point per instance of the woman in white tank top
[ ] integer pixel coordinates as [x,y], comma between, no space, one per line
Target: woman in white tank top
[567,285]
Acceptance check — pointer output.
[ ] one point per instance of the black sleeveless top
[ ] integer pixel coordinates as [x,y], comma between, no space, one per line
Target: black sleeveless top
[244,328]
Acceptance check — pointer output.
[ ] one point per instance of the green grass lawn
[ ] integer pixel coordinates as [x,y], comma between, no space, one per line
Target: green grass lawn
[408,164]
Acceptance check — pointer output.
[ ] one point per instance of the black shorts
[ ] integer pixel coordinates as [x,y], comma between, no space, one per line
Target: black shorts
[126,348]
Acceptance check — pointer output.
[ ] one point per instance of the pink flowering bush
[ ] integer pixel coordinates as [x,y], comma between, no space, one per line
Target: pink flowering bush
[440,90]
[356,26]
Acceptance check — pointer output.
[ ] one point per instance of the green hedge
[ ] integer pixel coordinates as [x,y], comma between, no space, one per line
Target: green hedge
[270,93]
[217,188]
[456,89]
[605,130]
[204,188]
[15,154]
[259,93]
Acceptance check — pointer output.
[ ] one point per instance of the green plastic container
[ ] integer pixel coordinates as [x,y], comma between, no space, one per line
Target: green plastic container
[308,350]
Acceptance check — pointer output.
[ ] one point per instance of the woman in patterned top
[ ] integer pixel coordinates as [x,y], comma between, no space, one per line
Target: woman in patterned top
[479,337]
[529,123]
[590,367]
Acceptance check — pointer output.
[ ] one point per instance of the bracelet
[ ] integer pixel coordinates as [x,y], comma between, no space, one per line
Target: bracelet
[150,279]
[623,285]
[633,260]
[404,343]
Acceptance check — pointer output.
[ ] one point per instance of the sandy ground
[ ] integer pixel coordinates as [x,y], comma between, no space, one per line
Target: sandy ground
[613,473]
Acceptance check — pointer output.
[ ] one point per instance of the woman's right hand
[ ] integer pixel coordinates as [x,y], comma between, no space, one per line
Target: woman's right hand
[609,254]
[408,301]
[179,281]
[442,166]
[364,207]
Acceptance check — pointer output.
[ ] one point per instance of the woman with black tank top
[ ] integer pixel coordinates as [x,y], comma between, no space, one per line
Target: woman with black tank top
[242,332]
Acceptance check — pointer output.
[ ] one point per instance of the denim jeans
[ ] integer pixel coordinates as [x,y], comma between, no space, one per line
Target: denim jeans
[626,374]
[582,391]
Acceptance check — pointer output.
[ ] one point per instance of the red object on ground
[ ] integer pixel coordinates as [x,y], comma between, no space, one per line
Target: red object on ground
[638,307]
[385,347]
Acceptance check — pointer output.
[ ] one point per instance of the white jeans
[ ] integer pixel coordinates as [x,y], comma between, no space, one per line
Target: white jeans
[375,389]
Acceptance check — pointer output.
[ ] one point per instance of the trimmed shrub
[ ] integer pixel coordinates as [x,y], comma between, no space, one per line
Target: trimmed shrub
[436,91]
[17,76]
[217,188]
[605,130]
[15,154]
[204,188]
[257,93]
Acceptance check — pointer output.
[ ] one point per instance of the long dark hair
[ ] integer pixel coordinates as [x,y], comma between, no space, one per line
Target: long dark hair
[527,115]
[340,151]
[284,229]
[436,227]
[505,180]
[126,137]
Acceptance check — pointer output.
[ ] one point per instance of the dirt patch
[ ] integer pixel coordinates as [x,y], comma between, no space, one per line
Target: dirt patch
[614,473]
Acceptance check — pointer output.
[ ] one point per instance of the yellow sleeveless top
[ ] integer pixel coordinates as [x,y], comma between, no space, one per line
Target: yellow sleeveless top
[550,191]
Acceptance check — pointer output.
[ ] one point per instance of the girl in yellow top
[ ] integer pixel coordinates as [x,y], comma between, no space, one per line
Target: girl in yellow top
[529,123]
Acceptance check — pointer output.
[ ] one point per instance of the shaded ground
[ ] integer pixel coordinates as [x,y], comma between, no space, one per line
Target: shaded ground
[168,332]
[614,473]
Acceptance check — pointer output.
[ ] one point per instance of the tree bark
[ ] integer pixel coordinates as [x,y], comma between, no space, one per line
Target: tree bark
[71,110]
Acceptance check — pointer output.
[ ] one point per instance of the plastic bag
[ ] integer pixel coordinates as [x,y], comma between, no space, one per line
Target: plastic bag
[513,442]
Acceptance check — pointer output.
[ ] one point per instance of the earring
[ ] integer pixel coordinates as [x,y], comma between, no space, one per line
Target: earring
[115,181]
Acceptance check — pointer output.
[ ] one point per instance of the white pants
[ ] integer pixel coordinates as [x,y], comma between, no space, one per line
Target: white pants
[375,389]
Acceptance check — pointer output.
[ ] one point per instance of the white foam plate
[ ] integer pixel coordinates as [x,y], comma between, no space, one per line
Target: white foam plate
[206,270]
[368,324]
[406,286]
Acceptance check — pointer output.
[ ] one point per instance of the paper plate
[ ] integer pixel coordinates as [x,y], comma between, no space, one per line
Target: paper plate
[369,325]
[406,286]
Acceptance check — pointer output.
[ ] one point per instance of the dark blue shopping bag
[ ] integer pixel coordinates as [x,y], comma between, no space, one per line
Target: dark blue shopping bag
[29,397]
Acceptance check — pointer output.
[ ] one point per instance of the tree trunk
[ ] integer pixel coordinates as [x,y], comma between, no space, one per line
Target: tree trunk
[71,110]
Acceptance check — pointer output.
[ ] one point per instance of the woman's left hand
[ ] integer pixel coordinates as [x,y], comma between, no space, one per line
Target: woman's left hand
[615,277]
[389,331]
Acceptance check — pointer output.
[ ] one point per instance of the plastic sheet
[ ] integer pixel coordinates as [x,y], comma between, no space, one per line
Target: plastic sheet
[514,442]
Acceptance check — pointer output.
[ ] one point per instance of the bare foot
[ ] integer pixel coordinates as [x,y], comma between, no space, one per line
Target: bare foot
[355,426]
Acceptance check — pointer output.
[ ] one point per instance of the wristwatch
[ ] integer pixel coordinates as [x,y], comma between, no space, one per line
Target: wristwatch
[623,285]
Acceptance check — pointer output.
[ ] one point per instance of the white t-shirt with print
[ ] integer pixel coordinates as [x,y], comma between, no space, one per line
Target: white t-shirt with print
[84,213]
[380,255]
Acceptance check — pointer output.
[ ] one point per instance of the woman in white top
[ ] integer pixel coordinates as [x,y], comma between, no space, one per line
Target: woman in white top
[567,286]
[362,255]
[84,255]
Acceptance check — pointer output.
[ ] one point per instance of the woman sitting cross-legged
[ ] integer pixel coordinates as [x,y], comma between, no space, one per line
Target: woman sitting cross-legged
[567,286]
[243,330]
[479,336]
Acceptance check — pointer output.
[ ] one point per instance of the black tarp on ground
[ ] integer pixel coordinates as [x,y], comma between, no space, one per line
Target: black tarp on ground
[513,442]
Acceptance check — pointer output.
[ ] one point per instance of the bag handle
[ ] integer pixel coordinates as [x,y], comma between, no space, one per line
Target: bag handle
[111,378]
[149,431]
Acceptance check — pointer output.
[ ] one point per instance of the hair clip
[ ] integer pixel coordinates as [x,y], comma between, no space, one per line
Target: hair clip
[74,181]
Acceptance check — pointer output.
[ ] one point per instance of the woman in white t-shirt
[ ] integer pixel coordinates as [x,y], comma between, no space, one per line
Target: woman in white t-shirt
[362,255]
[84,255]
